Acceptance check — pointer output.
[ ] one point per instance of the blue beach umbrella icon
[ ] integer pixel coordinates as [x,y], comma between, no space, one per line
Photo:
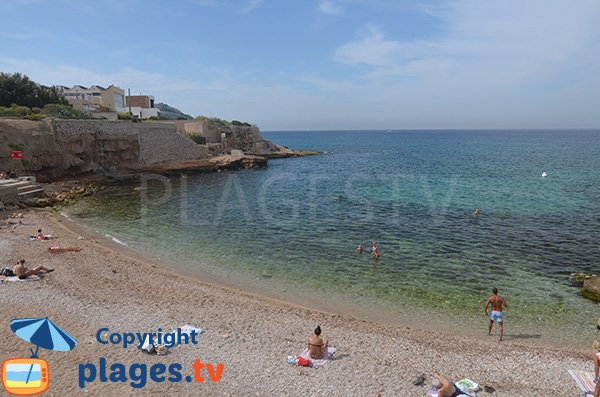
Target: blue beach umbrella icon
[43,333]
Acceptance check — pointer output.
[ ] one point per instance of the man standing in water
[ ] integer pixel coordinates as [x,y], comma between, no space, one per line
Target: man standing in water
[497,303]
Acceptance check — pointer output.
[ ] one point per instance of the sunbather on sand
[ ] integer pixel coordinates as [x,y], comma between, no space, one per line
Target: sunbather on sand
[317,348]
[444,387]
[23,271]
[42,236]
[60,250]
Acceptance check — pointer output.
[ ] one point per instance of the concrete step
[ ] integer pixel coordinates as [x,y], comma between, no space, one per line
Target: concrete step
[31,193]
[29,188]
[14,184]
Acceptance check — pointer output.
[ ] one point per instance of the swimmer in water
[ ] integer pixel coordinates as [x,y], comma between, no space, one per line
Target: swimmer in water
[476,213]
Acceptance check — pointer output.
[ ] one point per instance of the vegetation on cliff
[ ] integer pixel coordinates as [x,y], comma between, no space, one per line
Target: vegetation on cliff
[217,122]
[18,89]
[24,98]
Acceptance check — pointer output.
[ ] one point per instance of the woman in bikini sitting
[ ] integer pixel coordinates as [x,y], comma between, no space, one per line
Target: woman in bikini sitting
[317,348]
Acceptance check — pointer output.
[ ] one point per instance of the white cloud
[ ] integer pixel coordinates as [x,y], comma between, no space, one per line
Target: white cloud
[372,49]
[251,6]
[509,62]
[328,7]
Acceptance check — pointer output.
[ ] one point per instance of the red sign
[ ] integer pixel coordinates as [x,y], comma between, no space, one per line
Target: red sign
[16,154]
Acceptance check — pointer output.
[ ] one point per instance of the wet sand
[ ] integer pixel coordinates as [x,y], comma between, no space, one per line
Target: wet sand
[109,286]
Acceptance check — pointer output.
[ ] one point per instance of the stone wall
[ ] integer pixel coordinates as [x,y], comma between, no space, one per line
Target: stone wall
[90,146]
[160,142]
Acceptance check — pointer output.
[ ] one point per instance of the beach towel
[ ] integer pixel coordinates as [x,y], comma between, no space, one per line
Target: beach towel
[468,387]
[585,381]
[15,278]
[319,361]
[187,329]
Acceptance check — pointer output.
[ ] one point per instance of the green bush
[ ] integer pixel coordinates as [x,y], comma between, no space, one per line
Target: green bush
[235,122]
[35,110]
[22,110]
[8,112]
[60,111]
[35,117]
[124,116]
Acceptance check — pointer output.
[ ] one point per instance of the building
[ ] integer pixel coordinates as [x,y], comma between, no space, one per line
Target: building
[95,98]
[141,106]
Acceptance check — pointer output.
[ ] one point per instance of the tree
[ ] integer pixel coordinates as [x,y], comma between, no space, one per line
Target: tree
[20,90]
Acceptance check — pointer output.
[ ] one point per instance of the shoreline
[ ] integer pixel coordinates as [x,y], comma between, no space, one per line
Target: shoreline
[117,287]
[383,312]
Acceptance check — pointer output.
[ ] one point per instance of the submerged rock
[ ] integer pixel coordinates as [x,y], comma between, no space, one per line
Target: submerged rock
[579,278]
[591,288]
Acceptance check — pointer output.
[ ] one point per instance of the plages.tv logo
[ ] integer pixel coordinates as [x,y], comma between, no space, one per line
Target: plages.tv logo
[30,376]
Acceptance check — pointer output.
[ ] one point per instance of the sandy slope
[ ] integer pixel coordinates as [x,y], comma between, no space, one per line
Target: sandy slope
[104,286]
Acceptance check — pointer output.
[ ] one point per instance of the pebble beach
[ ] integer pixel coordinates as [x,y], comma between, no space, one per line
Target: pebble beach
[109,286]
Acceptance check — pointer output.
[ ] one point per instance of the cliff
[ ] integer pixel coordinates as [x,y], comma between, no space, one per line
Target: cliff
[62,149]
[55,149]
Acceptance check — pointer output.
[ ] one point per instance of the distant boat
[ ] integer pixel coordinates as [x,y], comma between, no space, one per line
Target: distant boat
[544,174]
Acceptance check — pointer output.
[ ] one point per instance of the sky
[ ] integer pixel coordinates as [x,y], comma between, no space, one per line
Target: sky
[324,64]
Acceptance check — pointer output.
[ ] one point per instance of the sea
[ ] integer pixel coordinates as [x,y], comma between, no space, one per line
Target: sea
[291,230]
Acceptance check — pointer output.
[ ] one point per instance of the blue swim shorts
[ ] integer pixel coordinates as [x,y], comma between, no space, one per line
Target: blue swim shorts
[497,316]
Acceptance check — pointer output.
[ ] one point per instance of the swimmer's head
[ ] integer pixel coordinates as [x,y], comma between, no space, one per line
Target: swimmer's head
[495,291]
[436,384]
[318,330]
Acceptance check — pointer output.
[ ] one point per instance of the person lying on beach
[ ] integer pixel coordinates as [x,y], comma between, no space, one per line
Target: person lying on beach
[444,387]
[22,271]
[60,250]
[317,348]
[42,236]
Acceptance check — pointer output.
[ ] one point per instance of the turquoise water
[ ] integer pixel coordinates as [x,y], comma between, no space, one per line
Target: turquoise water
[411,191]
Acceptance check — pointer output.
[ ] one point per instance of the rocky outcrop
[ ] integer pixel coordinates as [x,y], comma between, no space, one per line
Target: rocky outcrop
[591,288]
[279,152]
[226,162]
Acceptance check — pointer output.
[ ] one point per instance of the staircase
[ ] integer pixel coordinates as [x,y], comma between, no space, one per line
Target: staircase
[20,189]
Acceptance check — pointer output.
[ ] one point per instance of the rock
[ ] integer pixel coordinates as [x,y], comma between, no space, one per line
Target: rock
[39,202]
[591,288]
[1,206]
[579,278]
[489,389]
[598,326]
[419,380]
